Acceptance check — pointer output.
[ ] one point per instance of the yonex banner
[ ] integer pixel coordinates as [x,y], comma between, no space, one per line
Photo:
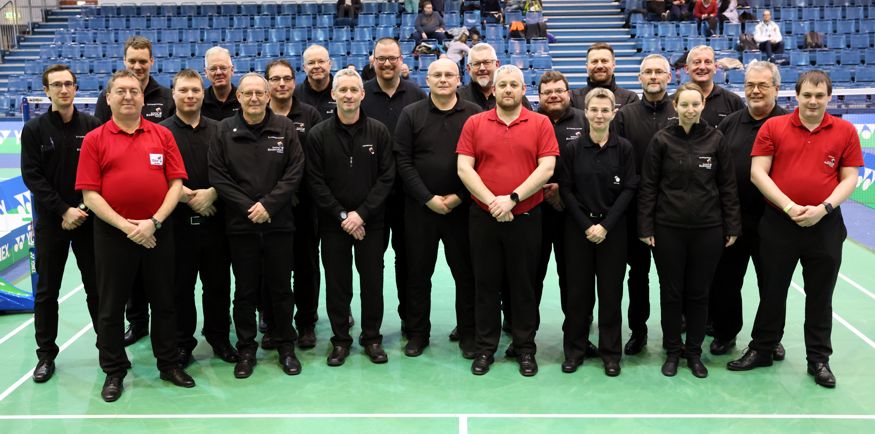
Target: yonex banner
[17,274]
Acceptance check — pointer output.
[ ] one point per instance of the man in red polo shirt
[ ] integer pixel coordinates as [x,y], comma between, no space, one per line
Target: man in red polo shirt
[130,174]
[505,156]
[805,164]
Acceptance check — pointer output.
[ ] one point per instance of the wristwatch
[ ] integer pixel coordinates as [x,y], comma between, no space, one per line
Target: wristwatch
[828,207]
[155,222]
[515,197]
[343,215]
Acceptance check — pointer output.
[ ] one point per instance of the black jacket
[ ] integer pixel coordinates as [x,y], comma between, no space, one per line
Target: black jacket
[49,159]
[218,110]
[158,105]
[688,181]
[621,96]
[719,104]
[569,128]
[350,168]
[259,163]
[638,122]
[320,100]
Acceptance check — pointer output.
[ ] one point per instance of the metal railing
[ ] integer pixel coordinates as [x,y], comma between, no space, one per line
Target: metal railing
[9,26]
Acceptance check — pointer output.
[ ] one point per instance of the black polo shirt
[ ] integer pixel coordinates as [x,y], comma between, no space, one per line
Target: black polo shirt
[638,123]
[158,105]
[425,148]
[621,96]
[386,109]
[218,110]
[739,131]
[570,126]
[321,100]
[305,117]
[474,93]
[598,183]
[719,104]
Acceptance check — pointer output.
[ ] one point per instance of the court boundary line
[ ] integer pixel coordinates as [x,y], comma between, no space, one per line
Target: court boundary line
[857,285]
[29,321]
[839,318]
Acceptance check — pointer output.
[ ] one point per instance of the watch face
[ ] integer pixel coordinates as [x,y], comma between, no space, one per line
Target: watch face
[343,215]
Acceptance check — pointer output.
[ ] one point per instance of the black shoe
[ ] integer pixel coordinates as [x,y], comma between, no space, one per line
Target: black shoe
[481,364]
[112,389]
[244,367]
[636,344]
[612,368]
[720,347]
[307,338]
[226,352]
[414,348]
[133,334]
[183,357]
[469,355]
[510,351]
[267,343]
[570,365]
[697,367]
[454,335]
[178,377]
[591,350]
[823,376]
[290,363]
[749,360]
[779,353]
[670,367]
[44,371]
[338,355]
[505,326]
[528,365]
[376,353]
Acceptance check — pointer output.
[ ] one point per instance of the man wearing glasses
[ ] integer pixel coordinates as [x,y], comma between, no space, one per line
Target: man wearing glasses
[130,174]
[482,64]
[49,155]
[600,64]
[435,207]
[316,89]
[638,122]
[220,99]
[256,165]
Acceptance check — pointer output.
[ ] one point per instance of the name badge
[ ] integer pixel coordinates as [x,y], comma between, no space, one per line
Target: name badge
[156,159]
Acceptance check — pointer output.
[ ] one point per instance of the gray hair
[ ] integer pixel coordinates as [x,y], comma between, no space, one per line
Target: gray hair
[346,73]
[258,76]
[763,65]
[482,46]
[696,49]
[508,69]
[599,92]
[216,50]
[655,57]
[312,48]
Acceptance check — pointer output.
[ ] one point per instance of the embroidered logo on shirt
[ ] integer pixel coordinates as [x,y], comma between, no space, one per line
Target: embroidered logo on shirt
[705,163]
[370,149]
[156,159]
[616,180]
[278,148]
[830,161]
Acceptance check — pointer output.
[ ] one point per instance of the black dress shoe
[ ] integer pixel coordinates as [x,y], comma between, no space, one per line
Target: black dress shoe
[112,389]
[721,347]
[44,371]
[290,363]
[307,338]
[570,365]
[454,335]
[510,351]
[612,368]
[528,364]
[178,377]
[414,348]
[267,343]
[822,374]
[591,350]
[226,352]
[244,367]
[697,367]
[183,357]
[636,344]
[338,355]
[750,360]
[376,353]
[469,354]
[670,367]
[481,364]
[779,353]
[133,334]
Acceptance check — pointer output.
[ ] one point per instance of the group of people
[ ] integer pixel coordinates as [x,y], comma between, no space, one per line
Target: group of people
[164,185]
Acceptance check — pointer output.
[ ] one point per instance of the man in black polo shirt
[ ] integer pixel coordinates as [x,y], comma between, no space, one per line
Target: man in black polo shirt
[49,156]
[220,99]
[385,96]
[256,164]
[638,122]
[761,83]
[719,102]
[482,64]
[316,89]
[281,77]
[435,209]
[600,64]
[350,171]
[199,232]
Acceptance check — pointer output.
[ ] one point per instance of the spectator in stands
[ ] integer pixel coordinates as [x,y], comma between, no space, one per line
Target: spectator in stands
[411,6]
[705,12]
[728,11]
[220,99]
[679,10]
[656,10]
[458,48]
[490,10]
[718,102]
[768,36]
[347,12]
[429,25]
[316,89]
[600,64]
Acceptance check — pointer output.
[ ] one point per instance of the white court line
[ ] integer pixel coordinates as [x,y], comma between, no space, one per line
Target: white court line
[463,424]
[857,285]
[29,373]
[461,416]
[841,320]
[30,320]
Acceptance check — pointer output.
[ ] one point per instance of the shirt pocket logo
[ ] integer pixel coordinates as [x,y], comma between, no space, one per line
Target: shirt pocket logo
[369,148]
[156,160]
[705,162]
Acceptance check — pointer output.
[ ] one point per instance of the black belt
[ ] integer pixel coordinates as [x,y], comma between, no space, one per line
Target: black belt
[196,220]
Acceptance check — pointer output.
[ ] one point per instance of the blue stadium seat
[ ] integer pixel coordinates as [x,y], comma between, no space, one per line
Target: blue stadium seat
[494,31]
[271,9]
[102,66]
[249,9]
[840,76]
[860,40]
[181,49]
[96,23]
[80,67]
[687,29]
[200,22]
[405,32]
[836,41]
[389,8]
[278,34]
[71,51]
[308,8]
[170,65]
[851,57]
[868,25]
[453,19]
[363,33]
[409,20]
[151,35]
[854,12]
[304,20]
[407,46]
[801,27]
[674,43]
[242,65]
[369,8]
[233,35]
[789,76]
[324,20]
[386,32]
[222,22]
[300,34]
[160,51]
[471,19]
[825,57]
[360,61]
[719,43]
[95,51]
[517,46]
[799,58]
[500,46]
[832,13]
[35,67]
[294,48]
[750,56]
[340,34]
[200,48]
[327,8]
[539,46]
[338,48]
[88,83]
[731,30]
[425,60]
[847,26]
[262,21]
[137,23]
[824,26]
[357,48]
[694,41]
[869,56]
[255,35]
[321,35]
[644,30]
[248,49]
[810,13]
[666,29]
[651,45]
[521,61]
[189,9]
[530,78]
[865,75]
[542,61]
[178,23]
[228,9]
[367,20]
[387,20]
[284,22]
[213,36]
[337,63]
[118,23]
[158,23]
[259,64]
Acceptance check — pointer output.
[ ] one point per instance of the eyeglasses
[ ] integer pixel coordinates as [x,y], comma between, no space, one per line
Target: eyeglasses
[132,92]
[480,63]
[62,84]
[383,59]
[285,78]
[764,87]
[250,93]
[221,68]
[553,91]
[446,75]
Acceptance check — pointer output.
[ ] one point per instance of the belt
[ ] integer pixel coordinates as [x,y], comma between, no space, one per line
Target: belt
[197,220]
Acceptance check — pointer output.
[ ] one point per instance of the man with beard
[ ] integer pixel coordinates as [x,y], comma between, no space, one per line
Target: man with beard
[638,122]
[482,64]
[719,102]
[316,89]
[600,64]
[220,99]
[281,77]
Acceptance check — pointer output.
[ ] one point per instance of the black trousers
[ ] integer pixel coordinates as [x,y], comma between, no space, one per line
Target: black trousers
[503,252]
[137,307]
[425,229]
[783,244]
[552,239]
[337,250]
[685,260]
[202,249]
[52,248]
[307,275]
[638,258]
[118,261]
[263,259]
[589,261]
[725,311]
[394,219]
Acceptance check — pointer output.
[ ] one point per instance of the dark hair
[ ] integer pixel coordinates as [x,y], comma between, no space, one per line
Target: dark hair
[278,62]
[187,73]
[138,42]
[600,46]
[550,77]
[121,73]
[814,77]
[56,68]
[688,86]
[387,41]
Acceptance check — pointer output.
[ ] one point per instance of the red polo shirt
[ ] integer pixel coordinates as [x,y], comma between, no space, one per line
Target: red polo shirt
[131,171]
[505,155]
[805,164]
